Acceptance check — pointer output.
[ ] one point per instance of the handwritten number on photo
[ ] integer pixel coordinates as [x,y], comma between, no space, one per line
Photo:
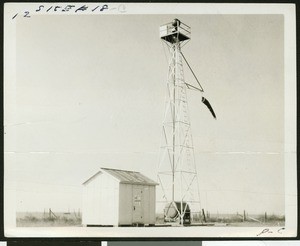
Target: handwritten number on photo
[27,14]
[82,8]
[40,8]
[105,6]
[68,7]
[121,8]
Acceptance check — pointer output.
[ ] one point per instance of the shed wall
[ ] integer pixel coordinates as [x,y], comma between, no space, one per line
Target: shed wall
[125,208]
[126,204]
[150,211]
[100,201]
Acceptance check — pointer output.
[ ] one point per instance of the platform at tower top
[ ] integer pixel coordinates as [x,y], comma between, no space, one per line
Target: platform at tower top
[175,31]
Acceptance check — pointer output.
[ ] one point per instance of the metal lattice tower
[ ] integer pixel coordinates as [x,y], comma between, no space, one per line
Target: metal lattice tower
[177,173]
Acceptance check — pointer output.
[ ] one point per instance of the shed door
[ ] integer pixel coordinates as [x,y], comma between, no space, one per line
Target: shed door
[137,209]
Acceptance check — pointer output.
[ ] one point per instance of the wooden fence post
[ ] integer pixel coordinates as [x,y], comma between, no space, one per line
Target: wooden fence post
[204,218]
[266,217]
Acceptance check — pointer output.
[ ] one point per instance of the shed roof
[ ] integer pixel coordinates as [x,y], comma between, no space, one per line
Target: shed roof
[126,177]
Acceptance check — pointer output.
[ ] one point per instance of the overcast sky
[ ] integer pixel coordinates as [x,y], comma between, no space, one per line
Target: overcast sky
[90,93]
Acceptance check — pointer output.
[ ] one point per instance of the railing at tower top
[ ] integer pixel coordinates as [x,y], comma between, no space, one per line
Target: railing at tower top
[169,29]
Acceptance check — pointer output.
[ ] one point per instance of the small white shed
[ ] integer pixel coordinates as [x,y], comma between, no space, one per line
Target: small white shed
[114,197]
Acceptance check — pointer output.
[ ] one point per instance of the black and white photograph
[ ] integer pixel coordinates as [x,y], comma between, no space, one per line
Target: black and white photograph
[149,120]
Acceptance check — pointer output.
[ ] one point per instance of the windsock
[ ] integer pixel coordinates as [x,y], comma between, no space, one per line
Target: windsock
[206,102]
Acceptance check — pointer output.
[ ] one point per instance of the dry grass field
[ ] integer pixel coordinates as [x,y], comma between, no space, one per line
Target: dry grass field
[45,220]
[248,221]
[235,220]
[74,219]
